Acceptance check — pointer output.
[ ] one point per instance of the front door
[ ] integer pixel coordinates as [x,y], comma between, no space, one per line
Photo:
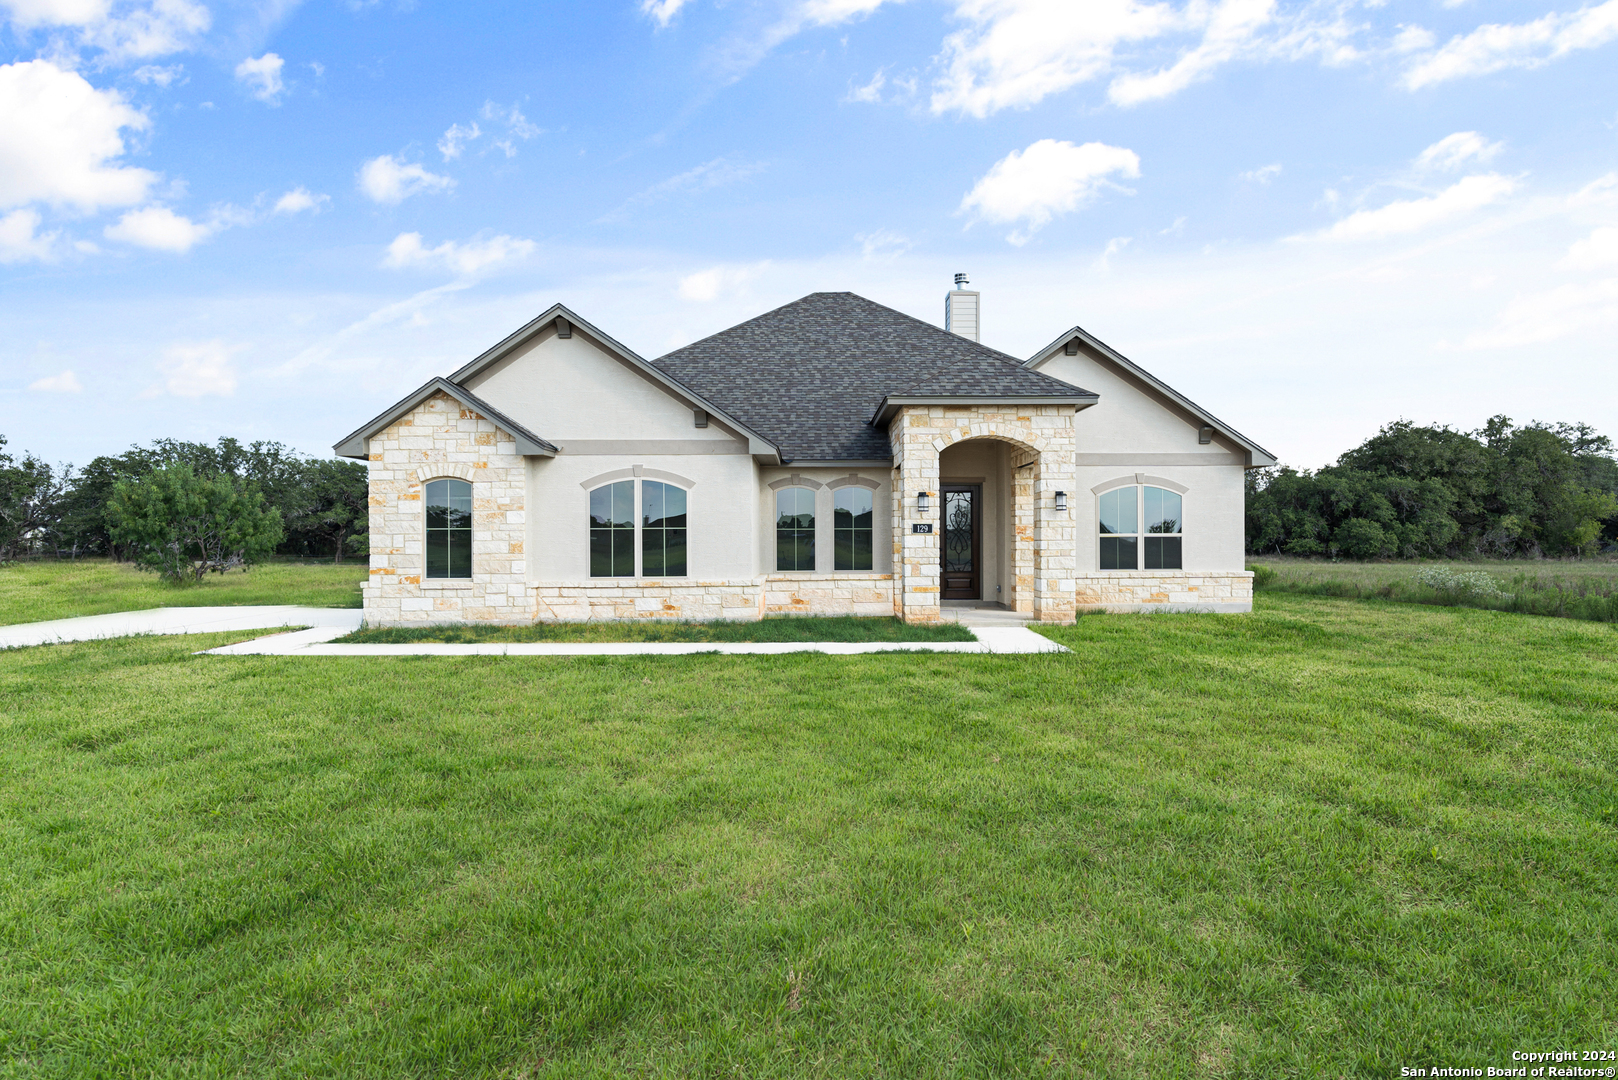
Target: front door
[962,572]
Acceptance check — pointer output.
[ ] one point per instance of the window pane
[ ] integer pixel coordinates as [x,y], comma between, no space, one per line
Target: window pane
[674,551]
[623,552]
[651,503]
[862,549]
[437,503]
[460,552]
[794,549]
[623,504]
[795,508]
[1163,553]
[1118,553]
[437,553]
[1162,511]
[651,552]
[601,507]
[460,495]
[601,553]
[1118,511]
[673,506]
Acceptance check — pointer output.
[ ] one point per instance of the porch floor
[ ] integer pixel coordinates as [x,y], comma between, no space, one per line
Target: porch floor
[981,613]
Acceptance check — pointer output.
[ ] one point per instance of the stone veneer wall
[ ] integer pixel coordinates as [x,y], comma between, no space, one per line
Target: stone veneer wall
[1165,590]
[440,438]
[682,598]
[1043,439]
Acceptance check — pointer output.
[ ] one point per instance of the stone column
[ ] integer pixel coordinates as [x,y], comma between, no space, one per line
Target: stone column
[915,555]
[1053,548]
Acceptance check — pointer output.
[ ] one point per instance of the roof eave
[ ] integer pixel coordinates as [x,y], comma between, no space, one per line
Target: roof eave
[892,403]
[1257,456]
[761,448]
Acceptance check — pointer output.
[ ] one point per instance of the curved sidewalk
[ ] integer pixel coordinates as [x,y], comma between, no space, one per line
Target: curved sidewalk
[179,620]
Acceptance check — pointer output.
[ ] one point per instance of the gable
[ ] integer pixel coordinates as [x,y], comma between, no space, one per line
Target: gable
[1138,413]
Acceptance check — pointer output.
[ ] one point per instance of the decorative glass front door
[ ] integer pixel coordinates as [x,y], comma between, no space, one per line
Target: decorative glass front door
[961,570]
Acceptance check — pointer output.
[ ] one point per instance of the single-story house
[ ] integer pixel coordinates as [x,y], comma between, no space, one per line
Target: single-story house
[830,456]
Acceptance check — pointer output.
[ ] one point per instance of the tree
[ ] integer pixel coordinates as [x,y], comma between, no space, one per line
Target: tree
[339,502]
[183,525]
[30,501]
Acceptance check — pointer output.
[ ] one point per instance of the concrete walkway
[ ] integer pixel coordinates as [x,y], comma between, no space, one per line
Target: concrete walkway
[326,624]
[179,620]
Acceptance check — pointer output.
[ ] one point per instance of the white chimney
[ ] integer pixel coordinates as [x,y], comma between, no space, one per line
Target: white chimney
[961,310]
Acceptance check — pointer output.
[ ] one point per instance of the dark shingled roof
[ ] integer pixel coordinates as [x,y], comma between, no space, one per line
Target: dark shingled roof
[809,376]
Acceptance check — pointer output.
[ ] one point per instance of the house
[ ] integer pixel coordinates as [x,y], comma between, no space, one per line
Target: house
[832,456]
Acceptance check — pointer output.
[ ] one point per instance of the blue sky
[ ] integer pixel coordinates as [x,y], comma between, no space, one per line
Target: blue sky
[271,220]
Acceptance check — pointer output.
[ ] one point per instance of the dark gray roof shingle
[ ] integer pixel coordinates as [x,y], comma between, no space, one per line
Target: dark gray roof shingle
[808,376]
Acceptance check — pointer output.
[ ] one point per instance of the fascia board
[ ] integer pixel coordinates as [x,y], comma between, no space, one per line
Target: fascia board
[1258,457]
[841,463]
[357,444]
[888,405]
[757,444]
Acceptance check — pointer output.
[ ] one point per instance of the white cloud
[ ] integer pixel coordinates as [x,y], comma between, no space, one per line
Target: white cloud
[1264,174]
[1412,215]
[871,92]
[455,140]
[160,76]
[299,199]
[407,250]
[516,125]
[199,369]
[388,180]
[161,229]
[661,11]
[59,137]
[1496,46]
[1114,246]
[1598,249]
[262,77]
[708,285]
[65,383]
[122,31]
[1453,151]
[1231,30]
[882,244]
[720,172]
[18,241]
[1047,179]
[1546,316]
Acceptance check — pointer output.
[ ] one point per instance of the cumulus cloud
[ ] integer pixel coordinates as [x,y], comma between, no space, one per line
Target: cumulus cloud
[64,383]
[871,92]
[1263,174]
[1231,30]
[1453,151]
[455,140]
[161,229]
[1412,215]
[1496,46]
[390,181]
[160,76]
[1048,179]
[199,369]
[661,11]
[298,200]
[882,244]
[471,257]
[1598,249]
[19,241]
[708,285]
[262,77]
[515,123]
[60,138]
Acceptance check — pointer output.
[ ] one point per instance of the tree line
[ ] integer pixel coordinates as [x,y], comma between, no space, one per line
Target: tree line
[209,506]
[1503,491]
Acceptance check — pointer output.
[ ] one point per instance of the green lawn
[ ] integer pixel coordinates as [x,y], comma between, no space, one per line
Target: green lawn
[775,628]
[1331,838]
[49,589]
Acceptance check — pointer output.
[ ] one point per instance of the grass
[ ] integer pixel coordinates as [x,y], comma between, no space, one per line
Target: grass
[1586,589]
[1328,839]
[50,589]
[775,628]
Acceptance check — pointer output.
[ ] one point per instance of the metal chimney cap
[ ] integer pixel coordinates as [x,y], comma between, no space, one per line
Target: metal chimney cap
[960,279]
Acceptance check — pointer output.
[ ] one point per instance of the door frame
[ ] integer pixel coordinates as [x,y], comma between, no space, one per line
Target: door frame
[976,491]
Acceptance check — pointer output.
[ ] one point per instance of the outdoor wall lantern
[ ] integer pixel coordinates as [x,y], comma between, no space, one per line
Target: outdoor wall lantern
[1061,501]
[923,502]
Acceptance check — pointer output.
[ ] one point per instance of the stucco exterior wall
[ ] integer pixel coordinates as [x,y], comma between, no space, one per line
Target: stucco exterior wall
[440,438]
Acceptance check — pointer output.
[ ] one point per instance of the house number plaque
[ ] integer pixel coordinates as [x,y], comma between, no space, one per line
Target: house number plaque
[925,527]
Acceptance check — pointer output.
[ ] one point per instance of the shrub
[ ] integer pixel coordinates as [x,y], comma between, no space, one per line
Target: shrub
[1262,576]
[1476,585]
[183,526]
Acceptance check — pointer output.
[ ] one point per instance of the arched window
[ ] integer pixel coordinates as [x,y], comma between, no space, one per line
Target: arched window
[662,525]
[612,530]
[851,521]
[449,529]
[1141,528]
[795,529]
